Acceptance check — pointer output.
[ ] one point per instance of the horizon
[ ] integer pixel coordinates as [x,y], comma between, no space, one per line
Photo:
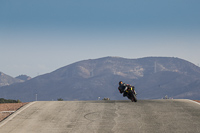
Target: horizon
[38,37]
[101,58]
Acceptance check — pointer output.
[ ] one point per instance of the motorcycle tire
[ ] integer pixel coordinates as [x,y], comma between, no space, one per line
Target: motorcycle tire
[134,99]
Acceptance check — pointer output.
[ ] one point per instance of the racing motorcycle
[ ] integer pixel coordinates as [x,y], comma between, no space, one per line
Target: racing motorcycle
[131,94]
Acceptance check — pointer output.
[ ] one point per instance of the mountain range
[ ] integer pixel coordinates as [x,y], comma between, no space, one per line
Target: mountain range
[8,80]
[153,78]
[23,77]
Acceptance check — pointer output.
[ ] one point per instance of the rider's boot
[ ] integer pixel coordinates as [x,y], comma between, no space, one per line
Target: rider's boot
[125,94]
[134,92]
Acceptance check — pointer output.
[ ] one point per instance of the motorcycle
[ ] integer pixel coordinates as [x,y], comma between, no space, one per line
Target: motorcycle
[131,94]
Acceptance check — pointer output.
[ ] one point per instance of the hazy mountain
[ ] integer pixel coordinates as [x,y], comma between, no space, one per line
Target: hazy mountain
[7,80]
[23,77]
[153,78]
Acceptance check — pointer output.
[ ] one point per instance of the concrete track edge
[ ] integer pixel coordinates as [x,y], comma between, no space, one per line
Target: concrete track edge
[194,101]
[16,113]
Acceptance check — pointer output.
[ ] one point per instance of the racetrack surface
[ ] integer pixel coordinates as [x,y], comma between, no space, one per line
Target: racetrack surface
[145,116]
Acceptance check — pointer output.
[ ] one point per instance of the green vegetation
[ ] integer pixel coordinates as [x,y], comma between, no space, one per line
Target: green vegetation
[60,99]
[2,100]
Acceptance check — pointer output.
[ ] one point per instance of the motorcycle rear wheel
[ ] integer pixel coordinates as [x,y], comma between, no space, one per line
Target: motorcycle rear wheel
[134,99]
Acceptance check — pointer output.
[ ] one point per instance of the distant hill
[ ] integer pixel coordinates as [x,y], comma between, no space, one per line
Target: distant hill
[23,77]
[7,80]
[153,78]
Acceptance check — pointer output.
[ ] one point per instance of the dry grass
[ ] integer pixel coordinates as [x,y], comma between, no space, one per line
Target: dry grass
[7,109]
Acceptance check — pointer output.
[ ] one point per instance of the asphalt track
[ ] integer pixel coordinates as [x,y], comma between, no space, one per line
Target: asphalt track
[145,116]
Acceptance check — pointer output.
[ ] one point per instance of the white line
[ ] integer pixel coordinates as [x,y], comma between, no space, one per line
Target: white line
[7,111]
[14,114]
[194,101]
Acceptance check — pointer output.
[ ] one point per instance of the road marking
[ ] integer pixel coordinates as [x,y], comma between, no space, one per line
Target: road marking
[195,102]
[7,111]
[14,114]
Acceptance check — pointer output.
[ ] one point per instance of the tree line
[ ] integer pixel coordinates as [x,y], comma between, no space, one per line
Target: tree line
[2,100]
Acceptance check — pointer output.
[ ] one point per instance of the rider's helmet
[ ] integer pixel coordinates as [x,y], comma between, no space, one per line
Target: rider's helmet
[120,82]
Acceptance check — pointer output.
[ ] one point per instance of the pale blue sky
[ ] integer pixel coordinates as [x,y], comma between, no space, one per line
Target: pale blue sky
[40,36]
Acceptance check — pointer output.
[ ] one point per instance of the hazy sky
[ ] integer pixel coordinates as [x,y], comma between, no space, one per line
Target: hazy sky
[40,36]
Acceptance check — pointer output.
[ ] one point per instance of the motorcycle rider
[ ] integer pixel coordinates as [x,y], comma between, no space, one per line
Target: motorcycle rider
[123,87]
